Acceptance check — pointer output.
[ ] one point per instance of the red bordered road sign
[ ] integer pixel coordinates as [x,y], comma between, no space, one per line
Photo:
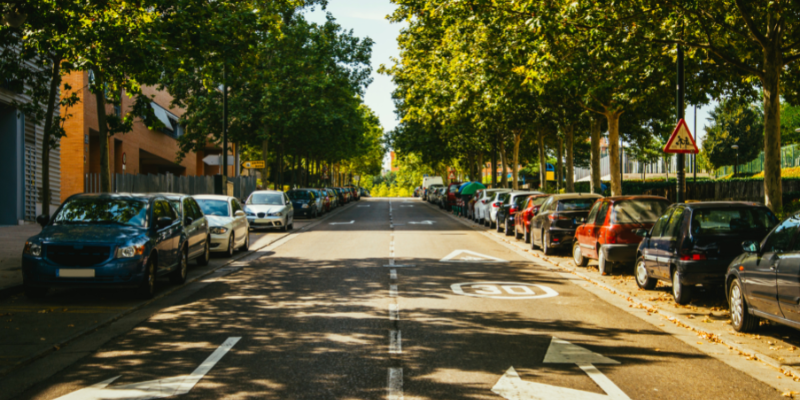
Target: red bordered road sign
[681,140]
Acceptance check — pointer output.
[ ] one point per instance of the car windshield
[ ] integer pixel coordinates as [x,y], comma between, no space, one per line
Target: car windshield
[214,207]
[270,199]
[298,195]
[103,211]
[576,204]
[731,220]
[539,200]
[638,211]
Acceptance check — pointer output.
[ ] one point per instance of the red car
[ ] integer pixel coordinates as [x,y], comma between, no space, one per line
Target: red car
[608,234]
[326,199]
[522,219]
[452,189]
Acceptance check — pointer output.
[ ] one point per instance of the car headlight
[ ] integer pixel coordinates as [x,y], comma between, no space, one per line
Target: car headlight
[129,251]
[276,214]
[249,214]
[305,206]
[33,249]
[218,230]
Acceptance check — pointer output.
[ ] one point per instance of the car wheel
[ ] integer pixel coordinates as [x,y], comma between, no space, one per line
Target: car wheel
[178,276]
[642,279]
[741,319]
[32,292]
[285,225]
[231,243]
[203,259]
[546,244]
[246,245]
[499,229]
[517,235]
[492,225]
[577,256]
[507,229]
[680,292]
[148,288]
[527,234]
[604,265]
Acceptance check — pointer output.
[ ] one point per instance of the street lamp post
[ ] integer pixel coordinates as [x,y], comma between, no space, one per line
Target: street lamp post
[736,167]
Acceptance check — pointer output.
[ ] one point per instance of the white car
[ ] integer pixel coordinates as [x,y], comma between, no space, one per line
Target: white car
[227,223]
[270,209]
[483,203]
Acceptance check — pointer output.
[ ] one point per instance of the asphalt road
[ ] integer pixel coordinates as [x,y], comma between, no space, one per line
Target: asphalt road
[402,303]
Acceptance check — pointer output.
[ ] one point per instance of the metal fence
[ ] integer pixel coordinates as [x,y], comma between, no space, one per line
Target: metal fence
[790,157]
[168,183]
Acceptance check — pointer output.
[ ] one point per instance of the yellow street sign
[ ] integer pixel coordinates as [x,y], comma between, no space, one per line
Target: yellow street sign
[254,164]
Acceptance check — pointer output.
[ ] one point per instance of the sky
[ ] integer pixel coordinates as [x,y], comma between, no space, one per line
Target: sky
[367,18]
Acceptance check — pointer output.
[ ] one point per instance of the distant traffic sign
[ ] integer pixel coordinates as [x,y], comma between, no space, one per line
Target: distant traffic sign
[254,164]
[681,140]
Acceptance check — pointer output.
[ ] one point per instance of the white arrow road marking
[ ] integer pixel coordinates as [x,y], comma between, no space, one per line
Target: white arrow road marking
[422,223]
[155,389]
[342,223]
[470,256]
[511,387]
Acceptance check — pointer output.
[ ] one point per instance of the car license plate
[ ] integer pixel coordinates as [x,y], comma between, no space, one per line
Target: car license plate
[76,273]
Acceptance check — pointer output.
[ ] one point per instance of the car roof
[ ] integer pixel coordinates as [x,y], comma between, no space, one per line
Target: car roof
[131,196]
[722,204]
[635,197]
[212,197]
[569,196]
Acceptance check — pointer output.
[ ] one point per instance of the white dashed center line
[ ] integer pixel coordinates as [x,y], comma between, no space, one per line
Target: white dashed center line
[394,312]
[395,342]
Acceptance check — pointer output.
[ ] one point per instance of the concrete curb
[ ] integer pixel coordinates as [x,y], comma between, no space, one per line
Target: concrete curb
[57,346]
[709,335]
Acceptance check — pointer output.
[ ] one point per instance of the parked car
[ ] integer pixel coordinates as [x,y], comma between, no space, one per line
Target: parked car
[507,212]
[270,209]
[450,197]
[195,227]
[694,243]
[554,227]
[522,222]
[483,203]
[609,233]
[227,222]
[334,198]
[490,215]
[105,240]
[431,189]
[304,202]
[441,197]
[763,281]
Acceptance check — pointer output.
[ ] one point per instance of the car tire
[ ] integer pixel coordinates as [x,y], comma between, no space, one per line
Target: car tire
[492,225]
[206,256]
[516,233]
[604,266]
[680,292]
[546,249]
[33,292]
[498,228]
[642,279]
[527,234]
[178,276]
[231,245]
[577,256]
[741,319]
[148,288]
[285,227]
[246,245]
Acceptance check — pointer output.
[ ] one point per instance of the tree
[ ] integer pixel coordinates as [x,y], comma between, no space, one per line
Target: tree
[733,122]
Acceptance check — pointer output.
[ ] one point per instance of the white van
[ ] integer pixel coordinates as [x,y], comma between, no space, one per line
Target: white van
[427,182]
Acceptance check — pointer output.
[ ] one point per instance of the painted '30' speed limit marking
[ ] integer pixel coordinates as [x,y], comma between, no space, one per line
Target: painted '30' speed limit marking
[503,290]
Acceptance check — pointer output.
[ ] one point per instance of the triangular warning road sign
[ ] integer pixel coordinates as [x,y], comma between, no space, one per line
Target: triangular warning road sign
[681,140]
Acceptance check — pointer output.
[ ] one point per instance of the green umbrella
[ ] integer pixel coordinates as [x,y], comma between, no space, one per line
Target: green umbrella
[471,188]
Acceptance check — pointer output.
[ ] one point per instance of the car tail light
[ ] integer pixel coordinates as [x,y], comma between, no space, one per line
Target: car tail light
[513,210]
[694,257]
[555,217]
[494,205]
[483,201]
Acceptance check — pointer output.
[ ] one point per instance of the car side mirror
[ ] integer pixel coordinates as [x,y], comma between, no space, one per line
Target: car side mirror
[189,220]
[642,233]
[750,246]
[164,222]
[239,213]
[43,220]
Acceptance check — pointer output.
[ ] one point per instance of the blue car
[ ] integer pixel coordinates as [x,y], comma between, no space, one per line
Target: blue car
[106,240]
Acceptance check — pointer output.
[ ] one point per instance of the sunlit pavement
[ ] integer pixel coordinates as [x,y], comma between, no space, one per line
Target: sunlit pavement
[388,300]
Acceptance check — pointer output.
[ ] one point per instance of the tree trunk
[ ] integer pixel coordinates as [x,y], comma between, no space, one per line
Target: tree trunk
[613,151]
[265,157]
[514,170]
[596,185]
[542,163]
[100,96]
[504,178]
[772,131]
[55,82]
[559,164]
[494,162]
[570,136]
[481,166]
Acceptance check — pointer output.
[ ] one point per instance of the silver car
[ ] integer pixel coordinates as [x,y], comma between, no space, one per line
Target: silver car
[270,209]
[227,223]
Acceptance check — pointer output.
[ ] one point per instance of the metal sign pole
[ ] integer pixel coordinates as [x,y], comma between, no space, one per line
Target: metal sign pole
[680,193]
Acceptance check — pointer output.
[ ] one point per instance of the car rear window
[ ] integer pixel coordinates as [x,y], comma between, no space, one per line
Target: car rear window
[539,200]
[576,204]
[638,211]
[520,200]
[710,221]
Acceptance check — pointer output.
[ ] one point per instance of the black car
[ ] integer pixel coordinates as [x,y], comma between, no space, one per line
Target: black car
[106,240]
[694,243]
[764,281]
[558,218]
[195,227]
[507,211]
[304,202]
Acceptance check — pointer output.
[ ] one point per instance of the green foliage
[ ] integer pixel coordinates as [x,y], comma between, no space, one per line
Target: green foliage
[734,122]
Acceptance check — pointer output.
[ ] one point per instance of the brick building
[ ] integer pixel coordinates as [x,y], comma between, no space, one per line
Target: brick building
[141,151]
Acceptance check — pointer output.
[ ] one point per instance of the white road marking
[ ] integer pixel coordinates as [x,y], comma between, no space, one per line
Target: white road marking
[393,274]
[502,290]
[401,266]
[601,380]
[422,223]
[395,384]
[391,262]
[363,206]
[406,206]
[392,290]
[395,342]
[343,223]
[512,387]
[470,256]
[155,389]
[394,312]
[564,352]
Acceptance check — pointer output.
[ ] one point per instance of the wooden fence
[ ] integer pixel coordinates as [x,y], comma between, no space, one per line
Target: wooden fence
[168,183]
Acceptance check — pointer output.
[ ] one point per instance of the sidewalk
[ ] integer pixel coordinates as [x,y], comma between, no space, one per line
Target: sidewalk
[12,242]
